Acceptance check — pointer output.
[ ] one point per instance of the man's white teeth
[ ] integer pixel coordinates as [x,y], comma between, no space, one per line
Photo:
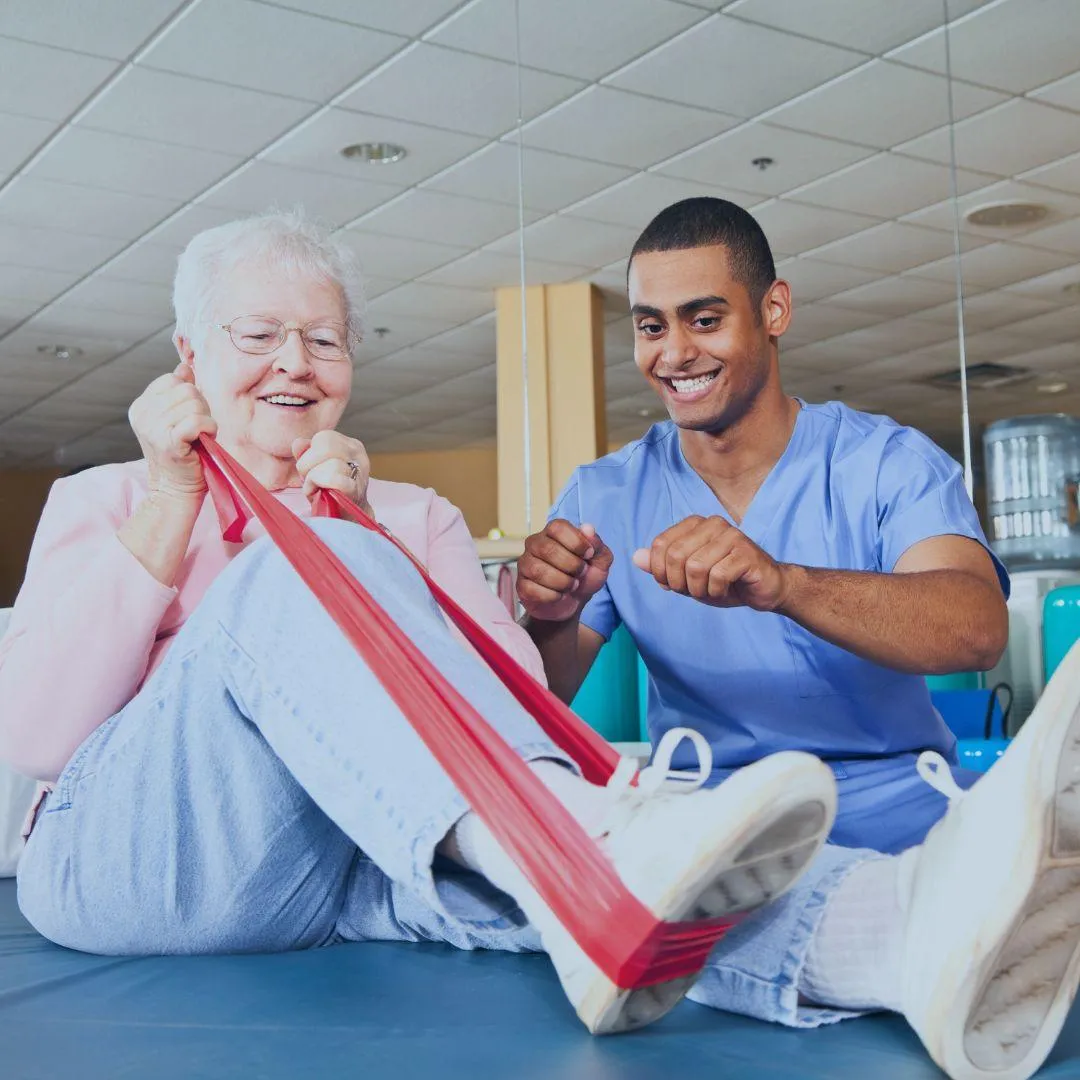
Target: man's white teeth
[690,386]
[286,399]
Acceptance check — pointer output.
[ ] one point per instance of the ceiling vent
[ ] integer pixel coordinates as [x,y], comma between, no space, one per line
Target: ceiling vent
[981,377]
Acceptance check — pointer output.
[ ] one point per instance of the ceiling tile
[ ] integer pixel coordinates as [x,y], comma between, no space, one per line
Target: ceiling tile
[111,28]
[401,260]
[13,311]
[261,185]
[135,166]
[1063,237]
[477,337]
[607,125]
[942,215]
[1043,41]
[562,35]
[71,321]
[796,159]
[409,19]
[1060,326]
[1050,357]
[145,262]
[794,228]
[457,91]
[881,104]
[46,83]
[988,311]
[255,46]
[896,336]
[318,143]
[891,247]
[637,200]
[815,322]
[93,211]
[995,265]
[686,69]
[20,136]
[811,280]
[551,181]
[886,185]
[446,219]
[873,28]
[124,297]
[490,270]
[446,301]
[189,112]
[186,223]
[586,243]
[828,357]
[892,296]
[1005,140]
[403,330]
[1064,92]
[23,344]
[54,249]
[1057,287]
[25,283]
[1063,175]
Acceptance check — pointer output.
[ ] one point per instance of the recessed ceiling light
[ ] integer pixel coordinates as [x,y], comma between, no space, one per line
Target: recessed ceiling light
[1006,215]
[60,352]
[375,153]
[1053,386]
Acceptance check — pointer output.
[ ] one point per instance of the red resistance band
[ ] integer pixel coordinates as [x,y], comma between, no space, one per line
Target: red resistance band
[565,866]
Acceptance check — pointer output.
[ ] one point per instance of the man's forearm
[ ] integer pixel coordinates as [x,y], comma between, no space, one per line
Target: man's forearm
[558,644]
[932,622]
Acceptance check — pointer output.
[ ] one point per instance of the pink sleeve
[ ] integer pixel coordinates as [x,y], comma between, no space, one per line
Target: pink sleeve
[82,630]
[455,565]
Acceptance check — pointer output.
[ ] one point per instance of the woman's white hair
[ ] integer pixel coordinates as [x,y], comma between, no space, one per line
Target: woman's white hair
[284,240]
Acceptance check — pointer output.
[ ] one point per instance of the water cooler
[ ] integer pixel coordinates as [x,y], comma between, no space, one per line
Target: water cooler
[1032,472]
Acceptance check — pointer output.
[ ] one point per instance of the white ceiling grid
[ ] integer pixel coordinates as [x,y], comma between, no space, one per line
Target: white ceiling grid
[126,128]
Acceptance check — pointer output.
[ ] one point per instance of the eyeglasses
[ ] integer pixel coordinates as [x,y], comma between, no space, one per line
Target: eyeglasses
[260,334]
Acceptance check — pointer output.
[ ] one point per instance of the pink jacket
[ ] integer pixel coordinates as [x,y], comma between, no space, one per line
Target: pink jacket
[91,623]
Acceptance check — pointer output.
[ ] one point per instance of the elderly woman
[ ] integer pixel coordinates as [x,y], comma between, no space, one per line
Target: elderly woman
[226,773]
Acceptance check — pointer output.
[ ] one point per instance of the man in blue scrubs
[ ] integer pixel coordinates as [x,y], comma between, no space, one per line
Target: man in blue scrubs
[788,571]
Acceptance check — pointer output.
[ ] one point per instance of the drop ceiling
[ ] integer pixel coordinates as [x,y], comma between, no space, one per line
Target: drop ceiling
[126,128]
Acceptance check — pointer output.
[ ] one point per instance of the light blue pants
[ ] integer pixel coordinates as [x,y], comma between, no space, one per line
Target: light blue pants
[263,793]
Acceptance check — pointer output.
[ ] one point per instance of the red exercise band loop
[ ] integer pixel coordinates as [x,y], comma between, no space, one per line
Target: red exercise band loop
[629,944]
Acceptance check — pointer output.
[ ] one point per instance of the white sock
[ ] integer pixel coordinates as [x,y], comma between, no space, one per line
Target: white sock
[480,851]
[855,958]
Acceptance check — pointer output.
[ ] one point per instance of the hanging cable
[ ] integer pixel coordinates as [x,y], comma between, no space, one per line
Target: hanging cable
[954,190]
[527,424]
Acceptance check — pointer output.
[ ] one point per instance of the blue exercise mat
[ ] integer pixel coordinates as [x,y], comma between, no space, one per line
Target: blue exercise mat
[388,1012]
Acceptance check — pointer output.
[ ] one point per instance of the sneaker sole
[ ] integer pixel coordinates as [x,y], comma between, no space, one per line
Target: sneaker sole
[1022,990]
[738,872]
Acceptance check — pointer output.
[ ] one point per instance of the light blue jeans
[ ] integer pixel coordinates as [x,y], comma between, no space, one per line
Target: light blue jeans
[262,793]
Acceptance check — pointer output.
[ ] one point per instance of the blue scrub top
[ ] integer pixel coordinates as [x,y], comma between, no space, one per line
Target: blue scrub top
[852,491]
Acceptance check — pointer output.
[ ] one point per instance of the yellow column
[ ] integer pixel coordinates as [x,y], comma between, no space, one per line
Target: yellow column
[565,337]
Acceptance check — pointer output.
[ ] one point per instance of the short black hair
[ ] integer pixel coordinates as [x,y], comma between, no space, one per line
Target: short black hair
[705,221]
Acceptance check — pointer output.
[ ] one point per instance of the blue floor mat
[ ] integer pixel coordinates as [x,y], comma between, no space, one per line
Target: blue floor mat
[399,1012]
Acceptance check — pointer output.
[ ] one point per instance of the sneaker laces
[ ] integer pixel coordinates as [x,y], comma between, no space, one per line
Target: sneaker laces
[656,778]
[934,769]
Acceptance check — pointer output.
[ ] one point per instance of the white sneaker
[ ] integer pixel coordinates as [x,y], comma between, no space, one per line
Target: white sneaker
[694,854]
[991,958]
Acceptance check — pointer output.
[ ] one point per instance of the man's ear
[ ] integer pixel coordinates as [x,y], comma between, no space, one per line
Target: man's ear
[776,308]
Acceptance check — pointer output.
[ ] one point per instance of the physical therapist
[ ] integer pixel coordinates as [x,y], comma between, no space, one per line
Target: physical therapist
[788,571]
